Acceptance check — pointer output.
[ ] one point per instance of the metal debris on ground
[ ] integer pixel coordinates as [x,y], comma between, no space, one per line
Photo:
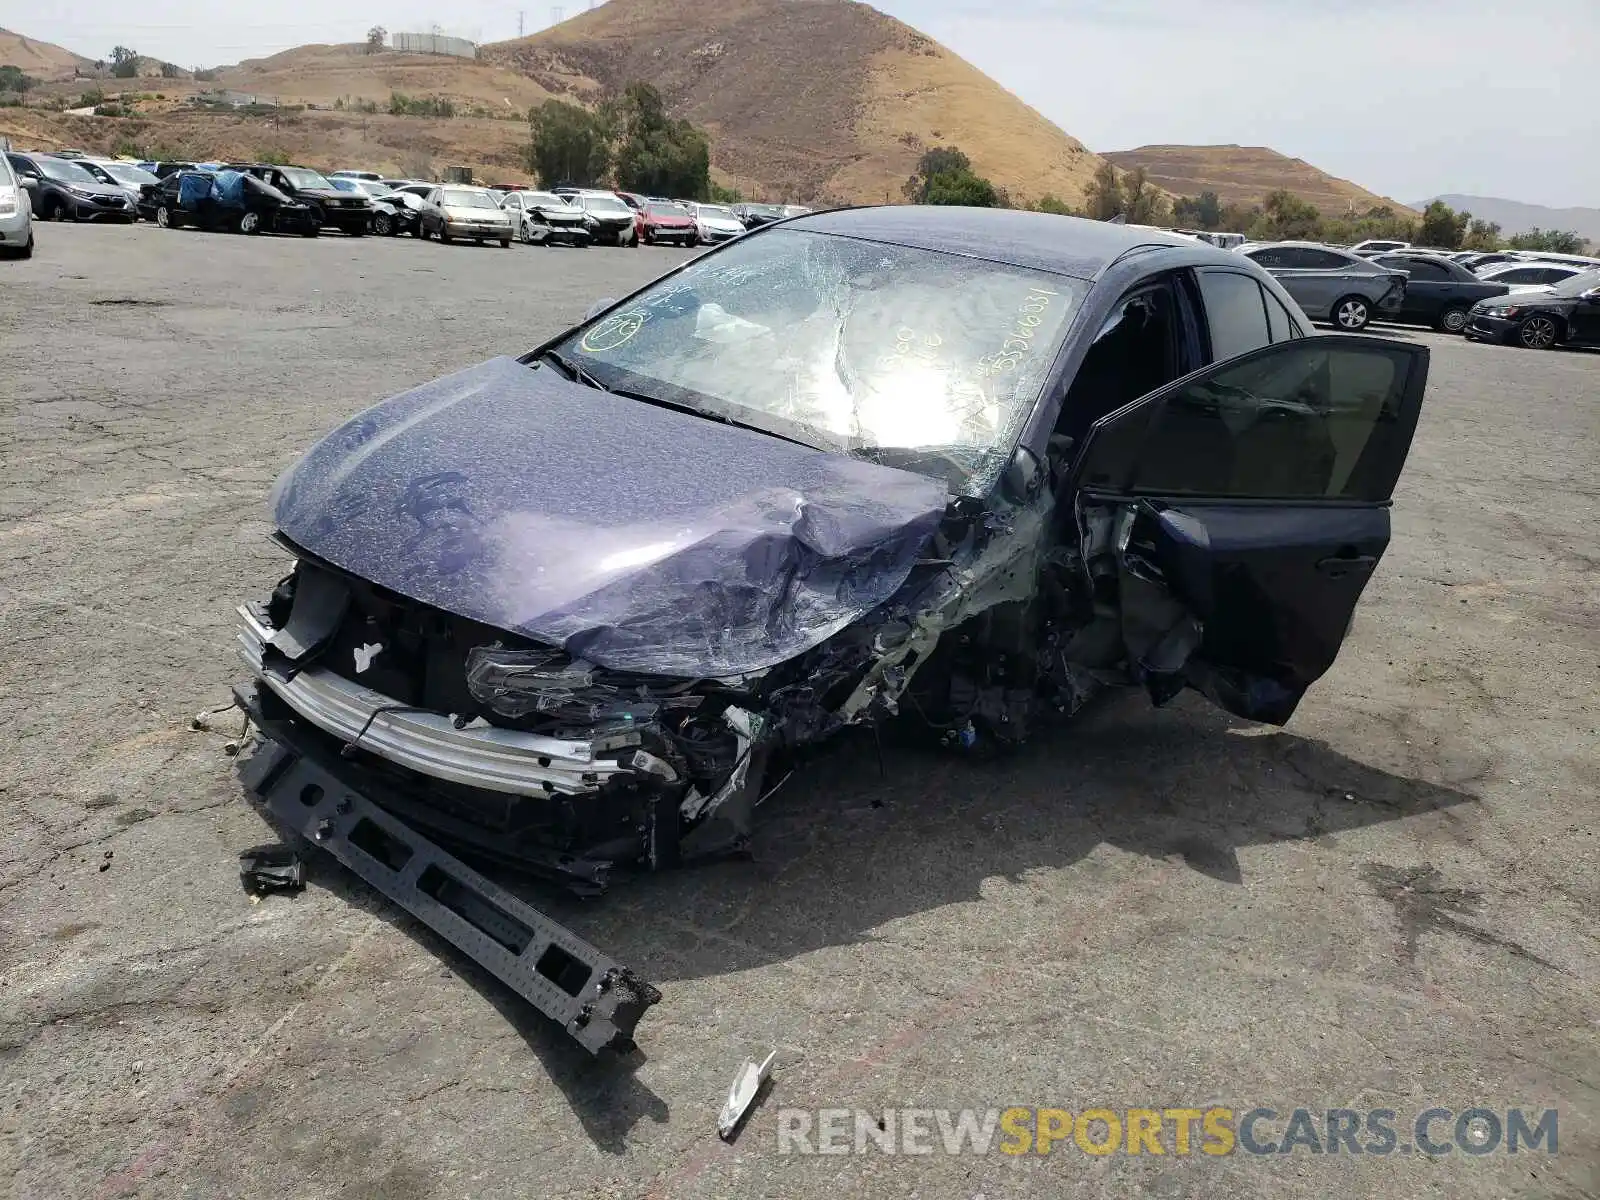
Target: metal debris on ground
[272,868]
[742,1095]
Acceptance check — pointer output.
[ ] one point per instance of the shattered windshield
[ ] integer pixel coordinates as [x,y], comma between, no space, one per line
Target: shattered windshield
[912,358]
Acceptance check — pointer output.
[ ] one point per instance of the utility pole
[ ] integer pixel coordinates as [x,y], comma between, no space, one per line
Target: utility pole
[520,15]
[557,14]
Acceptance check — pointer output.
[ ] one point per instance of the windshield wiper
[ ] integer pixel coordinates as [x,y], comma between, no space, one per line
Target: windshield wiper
[574,370]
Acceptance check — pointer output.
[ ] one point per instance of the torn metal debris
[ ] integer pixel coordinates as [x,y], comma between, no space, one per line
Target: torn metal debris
[272,868]
[742,1095]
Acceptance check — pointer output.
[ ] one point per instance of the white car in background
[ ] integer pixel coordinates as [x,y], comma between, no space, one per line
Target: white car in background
[1529,276]
[16,214]
[715,223]
[130,177]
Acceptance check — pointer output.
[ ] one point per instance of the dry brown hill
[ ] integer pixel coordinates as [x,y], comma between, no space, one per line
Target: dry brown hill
[42,60]
[1245,175]
[806,99]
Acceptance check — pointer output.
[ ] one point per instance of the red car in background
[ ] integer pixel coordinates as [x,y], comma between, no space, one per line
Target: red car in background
[664,221]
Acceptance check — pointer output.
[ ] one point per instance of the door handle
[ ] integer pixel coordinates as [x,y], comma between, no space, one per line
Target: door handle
[1341,565]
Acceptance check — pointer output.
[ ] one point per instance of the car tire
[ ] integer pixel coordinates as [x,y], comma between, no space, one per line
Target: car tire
[250,223]
[1352,314]
[1452,320]
[52,209]
[505,243]
[525,234]
[163,217]
[444,236]
[383,225]
[1538,332]
[355,231]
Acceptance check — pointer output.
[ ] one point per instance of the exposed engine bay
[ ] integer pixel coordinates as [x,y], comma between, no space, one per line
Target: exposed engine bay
[1004,622]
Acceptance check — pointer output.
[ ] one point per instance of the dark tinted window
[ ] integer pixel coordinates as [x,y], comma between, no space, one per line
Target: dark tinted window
[1279,323]
[1234,310]
[1321,260]
[1422,268]
[1321,418]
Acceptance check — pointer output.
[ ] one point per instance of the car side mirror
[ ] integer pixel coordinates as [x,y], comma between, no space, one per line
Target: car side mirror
[1020,481]
[1592,296]
[598,307]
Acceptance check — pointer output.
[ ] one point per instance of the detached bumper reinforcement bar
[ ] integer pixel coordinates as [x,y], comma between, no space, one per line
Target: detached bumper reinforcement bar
[596,999]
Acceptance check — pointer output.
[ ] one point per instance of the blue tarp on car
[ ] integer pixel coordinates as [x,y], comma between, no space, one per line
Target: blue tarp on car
[193,189]
[228,190]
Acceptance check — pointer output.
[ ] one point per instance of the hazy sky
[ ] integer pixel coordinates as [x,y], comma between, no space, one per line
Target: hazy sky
[1407,97]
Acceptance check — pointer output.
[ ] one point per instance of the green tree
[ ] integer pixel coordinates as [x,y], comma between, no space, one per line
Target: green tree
[1103,197]
[1482,235]
[124,62]
[1051,203]
[1142,202]
[945,176]
[1286,217]
[13,80]
[1442,226]
[962,188]
[375,37]
[1200,212]
[654,153]
[169,70]
[1551,241]
[568,145]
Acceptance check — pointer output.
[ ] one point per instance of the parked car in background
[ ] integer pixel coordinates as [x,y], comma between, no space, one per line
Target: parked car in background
[230,201]
[665,222]
[1567,313]
[395,213]
[1331,285]
[1378,246]
[348,212]
[756,215]
[1524,275]
[130,178]
[372,175]
[162,169]
[455,211]
[543,218]
[1477,260]
[608,218]
[16,213]
[715,223]
[64,191]
[1438,292]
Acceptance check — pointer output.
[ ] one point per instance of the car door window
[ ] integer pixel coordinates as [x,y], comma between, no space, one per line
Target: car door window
[1280,324]
[1235,314]
[1273,256]
[1421,268]
[1317,418]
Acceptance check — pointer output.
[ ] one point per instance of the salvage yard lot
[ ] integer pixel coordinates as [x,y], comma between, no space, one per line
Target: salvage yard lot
[1390,904]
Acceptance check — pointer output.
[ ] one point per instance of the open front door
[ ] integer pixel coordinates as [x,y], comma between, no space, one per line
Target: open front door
[1247,506]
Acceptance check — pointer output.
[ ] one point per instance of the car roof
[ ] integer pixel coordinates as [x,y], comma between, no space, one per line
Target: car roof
[1041,241]
[1519,263]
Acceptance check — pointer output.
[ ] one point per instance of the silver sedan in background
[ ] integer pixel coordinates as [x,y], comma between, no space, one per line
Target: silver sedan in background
[1331,285]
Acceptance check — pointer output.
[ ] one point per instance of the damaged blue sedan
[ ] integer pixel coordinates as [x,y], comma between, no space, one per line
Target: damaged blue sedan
[574,611]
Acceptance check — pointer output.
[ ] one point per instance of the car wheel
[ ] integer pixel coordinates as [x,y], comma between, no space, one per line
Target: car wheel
[1352,314]
[444,235]
[505,243]
[1538,332]
[525,234]
[27,250]
[51,209]
[1453,320]
[250,223]
[356,230]
[383,225]
[164,217]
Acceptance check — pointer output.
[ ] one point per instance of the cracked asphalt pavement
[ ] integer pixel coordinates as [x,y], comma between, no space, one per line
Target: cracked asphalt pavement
[1390,904]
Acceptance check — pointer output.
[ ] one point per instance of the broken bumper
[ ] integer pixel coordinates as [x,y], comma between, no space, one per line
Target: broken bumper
[478,755]
[597,1000]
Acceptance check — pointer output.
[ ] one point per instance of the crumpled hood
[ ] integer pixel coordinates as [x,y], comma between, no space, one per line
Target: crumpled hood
[640,538]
